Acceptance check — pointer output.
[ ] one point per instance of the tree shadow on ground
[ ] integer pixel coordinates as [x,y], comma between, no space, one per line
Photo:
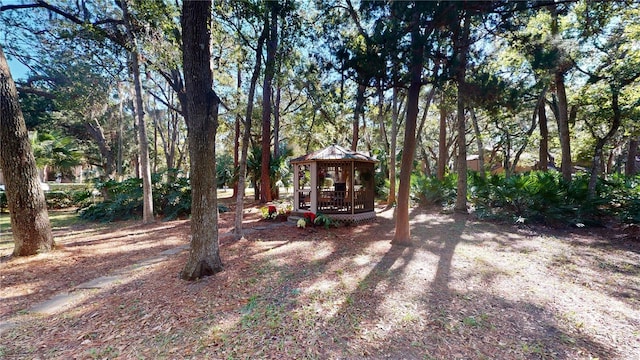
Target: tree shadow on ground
[342,293]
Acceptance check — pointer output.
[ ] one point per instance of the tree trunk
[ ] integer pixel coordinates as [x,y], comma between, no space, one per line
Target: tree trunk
[543,154]
[95,131]
[246,138]
[236,135]
[402,234]
[383,130]
[202,123]
[357,113]
[563,127]
[391,199]
[479,144]
[143,142]
[275,191]
[630,167]
[463,48]
[276,123]
[442,141]
[119,133]
[272,45]
[562,110]
[527,137]
[596,168]
[25,198]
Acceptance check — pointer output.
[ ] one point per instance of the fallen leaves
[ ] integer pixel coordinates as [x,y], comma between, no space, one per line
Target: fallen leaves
[336,293]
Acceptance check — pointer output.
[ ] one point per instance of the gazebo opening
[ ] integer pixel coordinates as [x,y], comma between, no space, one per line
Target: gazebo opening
[336,182]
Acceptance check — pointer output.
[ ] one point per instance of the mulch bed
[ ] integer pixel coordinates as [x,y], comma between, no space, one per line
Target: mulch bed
[465,289]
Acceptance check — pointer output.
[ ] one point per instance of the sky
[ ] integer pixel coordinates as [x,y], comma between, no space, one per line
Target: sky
[18,71]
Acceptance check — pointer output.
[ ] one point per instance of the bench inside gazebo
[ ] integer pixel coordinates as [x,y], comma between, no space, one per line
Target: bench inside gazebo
[336,182]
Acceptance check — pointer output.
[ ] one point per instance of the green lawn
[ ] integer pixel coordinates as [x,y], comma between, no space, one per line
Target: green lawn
[59,219]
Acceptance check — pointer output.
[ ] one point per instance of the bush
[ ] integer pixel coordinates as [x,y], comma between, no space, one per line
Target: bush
[382,185]
[625,197]
[58,199]
[428,190]
[323,220]
[123,201]
[171,199]
[539,197]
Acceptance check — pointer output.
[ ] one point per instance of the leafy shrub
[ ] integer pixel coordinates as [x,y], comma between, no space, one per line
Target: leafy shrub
[323,220]
[625,197]
[269,212]
[540,197]
[273,212]
[309,217]
[428,190]
[123,201]
[58,199]
[171,199]
[381,185]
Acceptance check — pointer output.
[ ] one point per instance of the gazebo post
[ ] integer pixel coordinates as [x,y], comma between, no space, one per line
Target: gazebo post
[353,189]
[314,187]
[296,185]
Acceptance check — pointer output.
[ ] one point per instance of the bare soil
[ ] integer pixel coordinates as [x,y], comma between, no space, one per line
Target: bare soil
[464,290]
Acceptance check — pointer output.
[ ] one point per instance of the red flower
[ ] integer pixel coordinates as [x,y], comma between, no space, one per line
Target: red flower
[310,216]
[272,209]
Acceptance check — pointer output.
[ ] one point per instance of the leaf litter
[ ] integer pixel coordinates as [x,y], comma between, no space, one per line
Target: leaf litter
[465,289]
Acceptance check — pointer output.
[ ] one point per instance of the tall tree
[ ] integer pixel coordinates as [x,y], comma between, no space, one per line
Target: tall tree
[562,107]
[402,234]
[246,136]
[202,105]
[461,44]
[630,166]
[395,124]
[271,22]
[143,143]
[25,198]
[442,139]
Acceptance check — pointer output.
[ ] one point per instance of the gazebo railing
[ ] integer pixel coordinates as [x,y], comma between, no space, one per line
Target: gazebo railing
[339,202]
[304,199]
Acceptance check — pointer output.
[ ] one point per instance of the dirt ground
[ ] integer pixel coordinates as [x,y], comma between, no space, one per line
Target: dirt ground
[465,290]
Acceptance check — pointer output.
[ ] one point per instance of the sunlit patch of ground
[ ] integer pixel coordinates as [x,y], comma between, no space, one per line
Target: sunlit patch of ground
[466,289]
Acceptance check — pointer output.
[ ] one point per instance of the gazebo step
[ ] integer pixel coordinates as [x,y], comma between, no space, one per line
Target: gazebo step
[294,218]
[340,218]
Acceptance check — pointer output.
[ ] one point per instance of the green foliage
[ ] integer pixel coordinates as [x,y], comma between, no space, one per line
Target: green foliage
[382,184]
[123,201]
[279,169]
[540,197]
[625,194]
[428,190]
[323,220]
[224,170]
[171,198]
[58,199]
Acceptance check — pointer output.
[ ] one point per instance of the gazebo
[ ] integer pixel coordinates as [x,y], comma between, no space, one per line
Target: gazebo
[336,182]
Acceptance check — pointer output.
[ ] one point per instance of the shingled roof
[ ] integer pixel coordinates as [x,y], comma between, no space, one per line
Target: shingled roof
[334,152]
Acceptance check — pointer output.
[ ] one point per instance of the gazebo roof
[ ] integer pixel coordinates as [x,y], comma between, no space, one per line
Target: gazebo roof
[335,152]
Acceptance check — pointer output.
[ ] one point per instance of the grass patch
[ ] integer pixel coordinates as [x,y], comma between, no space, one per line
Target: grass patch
[58,219]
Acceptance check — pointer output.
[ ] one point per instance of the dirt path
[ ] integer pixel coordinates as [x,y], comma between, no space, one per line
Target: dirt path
[465,290]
